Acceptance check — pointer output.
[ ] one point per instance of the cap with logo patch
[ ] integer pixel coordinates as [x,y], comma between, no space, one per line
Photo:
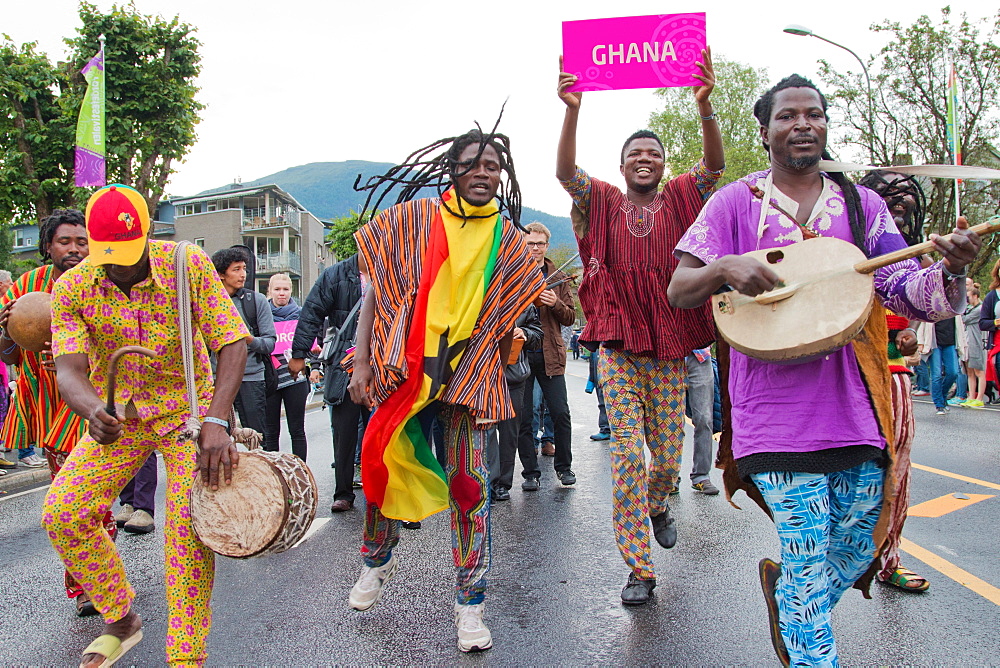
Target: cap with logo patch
[117,225]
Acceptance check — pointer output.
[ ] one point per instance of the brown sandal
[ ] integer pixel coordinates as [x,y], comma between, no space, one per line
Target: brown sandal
[769,572]
[84,606]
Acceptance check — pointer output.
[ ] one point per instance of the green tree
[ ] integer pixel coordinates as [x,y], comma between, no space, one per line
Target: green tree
[36,137]
[907,119]
[679,127]
[151,64]
[340,235]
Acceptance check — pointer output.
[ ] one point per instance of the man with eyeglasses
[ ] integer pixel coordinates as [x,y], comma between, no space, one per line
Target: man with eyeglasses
[548,365]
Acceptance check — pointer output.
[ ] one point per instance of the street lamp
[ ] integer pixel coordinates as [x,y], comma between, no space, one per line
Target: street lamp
[802,31]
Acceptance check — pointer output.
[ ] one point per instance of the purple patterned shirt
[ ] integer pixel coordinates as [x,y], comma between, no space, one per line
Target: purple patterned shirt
[824,403]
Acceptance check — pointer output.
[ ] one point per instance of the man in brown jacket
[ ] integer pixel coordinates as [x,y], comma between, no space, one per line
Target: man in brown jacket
[548,365]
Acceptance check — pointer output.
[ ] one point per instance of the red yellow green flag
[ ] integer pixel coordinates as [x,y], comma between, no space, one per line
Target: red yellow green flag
[398,468]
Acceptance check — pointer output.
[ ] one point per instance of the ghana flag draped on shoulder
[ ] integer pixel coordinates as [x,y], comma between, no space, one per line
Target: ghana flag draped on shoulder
[445,328]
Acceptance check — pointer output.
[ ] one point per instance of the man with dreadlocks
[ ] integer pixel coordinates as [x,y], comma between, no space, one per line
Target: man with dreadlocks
[39,416]
[625,242]
[808,441]
[904,198]
[449,276]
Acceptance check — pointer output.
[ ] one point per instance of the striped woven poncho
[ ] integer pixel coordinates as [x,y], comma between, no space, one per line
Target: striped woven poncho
[446,290]
[37,415]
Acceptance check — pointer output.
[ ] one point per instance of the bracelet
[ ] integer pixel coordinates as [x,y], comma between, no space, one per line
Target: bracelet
[951,276]
[9,350]
[711,117]
[214,420]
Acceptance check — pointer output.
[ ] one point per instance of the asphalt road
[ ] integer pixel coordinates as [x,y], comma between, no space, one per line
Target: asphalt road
[555,580]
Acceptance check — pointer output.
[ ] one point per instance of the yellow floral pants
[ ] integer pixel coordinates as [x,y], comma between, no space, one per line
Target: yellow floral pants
[82,493]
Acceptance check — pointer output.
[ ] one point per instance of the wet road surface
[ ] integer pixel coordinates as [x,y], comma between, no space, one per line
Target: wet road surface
[555,579]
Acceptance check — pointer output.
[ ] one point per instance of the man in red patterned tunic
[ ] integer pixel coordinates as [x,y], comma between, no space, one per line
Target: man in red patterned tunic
[626,243]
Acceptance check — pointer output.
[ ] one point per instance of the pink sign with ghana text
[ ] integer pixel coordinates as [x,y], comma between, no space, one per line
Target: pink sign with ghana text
[657,51]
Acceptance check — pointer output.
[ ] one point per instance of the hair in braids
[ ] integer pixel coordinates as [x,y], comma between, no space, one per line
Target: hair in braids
[911,227]
[47,230]
[437,166]
[762,110]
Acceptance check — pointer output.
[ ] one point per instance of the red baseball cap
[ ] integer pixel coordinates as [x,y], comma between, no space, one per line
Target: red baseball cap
[117,225]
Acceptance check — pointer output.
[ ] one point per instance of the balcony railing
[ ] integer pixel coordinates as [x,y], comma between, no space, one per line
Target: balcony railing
[274,263]
[253,220]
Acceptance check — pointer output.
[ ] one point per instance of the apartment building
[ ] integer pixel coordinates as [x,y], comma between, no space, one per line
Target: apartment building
[284,237]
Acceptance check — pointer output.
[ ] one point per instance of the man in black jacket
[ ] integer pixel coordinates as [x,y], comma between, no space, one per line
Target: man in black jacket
[515,434]
[333,297]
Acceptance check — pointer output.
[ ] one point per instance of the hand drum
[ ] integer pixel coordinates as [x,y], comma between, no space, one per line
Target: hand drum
[822,304]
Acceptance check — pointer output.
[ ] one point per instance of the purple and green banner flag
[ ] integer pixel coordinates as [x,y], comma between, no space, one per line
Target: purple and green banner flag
[90,151]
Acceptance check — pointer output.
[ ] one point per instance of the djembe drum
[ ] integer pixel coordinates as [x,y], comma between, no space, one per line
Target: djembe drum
[268,508]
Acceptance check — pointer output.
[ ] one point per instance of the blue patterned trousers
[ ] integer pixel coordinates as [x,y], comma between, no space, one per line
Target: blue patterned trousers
[825,524]
[468,481]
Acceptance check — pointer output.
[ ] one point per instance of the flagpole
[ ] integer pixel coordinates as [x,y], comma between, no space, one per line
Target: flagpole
[955,141]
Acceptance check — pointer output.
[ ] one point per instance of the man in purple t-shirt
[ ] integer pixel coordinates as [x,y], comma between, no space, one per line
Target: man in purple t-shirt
[806,435]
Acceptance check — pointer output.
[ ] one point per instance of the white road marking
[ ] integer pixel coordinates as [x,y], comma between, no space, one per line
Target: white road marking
[4,497]
[947,550]
[316,526]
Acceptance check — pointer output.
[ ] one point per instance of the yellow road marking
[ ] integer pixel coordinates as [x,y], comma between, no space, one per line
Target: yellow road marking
[950,570]
[945,504]
[956,476]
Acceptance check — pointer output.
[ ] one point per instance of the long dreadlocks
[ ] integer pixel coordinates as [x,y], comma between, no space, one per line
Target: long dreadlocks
[426,169]
[47,230]
[893,192]
[762,111]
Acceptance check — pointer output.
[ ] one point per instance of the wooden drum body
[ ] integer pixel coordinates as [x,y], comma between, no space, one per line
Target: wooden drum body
[268,508]
[811,315]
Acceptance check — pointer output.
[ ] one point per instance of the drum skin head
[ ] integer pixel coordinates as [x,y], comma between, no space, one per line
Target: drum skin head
[243,519]
[828,308]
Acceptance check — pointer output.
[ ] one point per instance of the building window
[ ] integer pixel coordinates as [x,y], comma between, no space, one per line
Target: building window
[200,242]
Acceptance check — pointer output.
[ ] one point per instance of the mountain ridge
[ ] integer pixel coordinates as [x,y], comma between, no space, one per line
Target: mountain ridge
[326,189]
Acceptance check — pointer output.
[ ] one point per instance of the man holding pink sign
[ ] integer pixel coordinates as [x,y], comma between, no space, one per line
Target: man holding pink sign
[626,243]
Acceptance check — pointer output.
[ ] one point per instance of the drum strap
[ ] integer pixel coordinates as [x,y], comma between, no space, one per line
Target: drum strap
[250,438]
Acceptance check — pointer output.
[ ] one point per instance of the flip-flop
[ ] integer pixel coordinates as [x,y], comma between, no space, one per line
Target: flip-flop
[769,571]
[112,648]
[901,577]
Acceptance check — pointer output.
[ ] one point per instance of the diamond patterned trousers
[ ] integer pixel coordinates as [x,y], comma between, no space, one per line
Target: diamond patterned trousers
[644,398]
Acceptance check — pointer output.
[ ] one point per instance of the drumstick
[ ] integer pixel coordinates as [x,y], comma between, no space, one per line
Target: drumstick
[564,265]
[571,277]
[783,291]
[113,371]
[868,266]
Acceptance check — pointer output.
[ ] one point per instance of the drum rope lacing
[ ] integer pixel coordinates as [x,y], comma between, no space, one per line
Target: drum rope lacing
[192,427]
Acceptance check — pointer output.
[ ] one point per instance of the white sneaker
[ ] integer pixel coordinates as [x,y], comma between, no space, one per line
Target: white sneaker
[473,636]
[33,462]
[124,515]
[367,591]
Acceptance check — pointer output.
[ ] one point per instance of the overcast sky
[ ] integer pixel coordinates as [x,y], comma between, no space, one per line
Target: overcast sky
[298,81]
